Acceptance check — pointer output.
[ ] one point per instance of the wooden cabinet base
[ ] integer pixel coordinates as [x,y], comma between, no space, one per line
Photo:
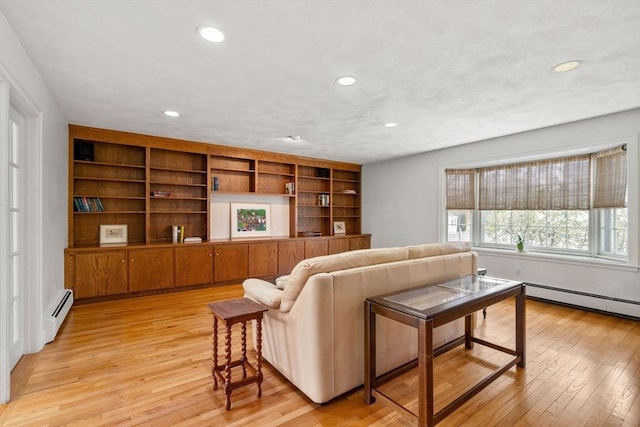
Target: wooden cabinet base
[100,273]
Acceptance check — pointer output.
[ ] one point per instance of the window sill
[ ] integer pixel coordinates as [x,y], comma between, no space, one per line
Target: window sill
[560,259]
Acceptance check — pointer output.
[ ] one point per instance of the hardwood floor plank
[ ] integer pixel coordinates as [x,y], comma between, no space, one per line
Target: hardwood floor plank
[147,361]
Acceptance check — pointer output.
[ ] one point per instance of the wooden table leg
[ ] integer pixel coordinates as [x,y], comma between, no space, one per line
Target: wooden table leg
[425,373]
[259,356]
[468,331]
[521,327]
[227,368]
[369,353]
[243,358]
[214,362]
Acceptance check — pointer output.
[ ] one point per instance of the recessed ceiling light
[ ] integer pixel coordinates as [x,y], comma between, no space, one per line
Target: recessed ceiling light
[295,138]
[567,66]
[346,80]
[171,113]
[390,125]
[211,34]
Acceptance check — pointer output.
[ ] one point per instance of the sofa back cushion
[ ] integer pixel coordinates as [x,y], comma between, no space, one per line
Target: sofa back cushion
[435,249]
[328,263]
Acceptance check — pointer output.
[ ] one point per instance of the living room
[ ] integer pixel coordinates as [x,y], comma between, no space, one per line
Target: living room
[403,191]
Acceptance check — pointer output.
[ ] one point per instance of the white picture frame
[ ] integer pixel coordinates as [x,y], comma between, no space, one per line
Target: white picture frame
[113,234]
[250,220]
[339,227]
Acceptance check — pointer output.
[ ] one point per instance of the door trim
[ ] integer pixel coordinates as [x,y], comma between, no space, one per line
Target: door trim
[32,265]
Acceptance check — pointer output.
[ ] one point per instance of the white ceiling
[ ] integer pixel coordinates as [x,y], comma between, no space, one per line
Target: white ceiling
[449,72]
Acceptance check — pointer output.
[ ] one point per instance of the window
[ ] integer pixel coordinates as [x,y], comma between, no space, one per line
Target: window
[564,230]
[459,226]
[573,205]
[613,232]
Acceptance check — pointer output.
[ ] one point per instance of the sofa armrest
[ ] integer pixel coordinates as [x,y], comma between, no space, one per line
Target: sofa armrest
[263,292]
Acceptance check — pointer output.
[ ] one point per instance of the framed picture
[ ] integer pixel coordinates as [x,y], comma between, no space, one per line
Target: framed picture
[113,234]
[339,227]
[250,220]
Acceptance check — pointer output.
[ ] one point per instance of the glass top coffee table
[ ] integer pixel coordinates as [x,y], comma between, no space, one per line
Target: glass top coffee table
[430,306]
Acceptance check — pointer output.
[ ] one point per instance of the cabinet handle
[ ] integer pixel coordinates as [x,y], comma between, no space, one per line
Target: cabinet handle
[132,259]
[210,253]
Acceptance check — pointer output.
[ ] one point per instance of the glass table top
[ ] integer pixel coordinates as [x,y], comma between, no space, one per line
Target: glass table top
[427,297]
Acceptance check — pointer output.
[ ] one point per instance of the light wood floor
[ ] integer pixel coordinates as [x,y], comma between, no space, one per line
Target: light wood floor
[147,361]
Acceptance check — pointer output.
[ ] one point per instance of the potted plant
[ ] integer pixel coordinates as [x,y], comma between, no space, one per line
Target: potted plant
[520,243]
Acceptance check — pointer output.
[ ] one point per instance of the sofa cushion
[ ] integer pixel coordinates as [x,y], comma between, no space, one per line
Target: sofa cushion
[263,292]
[328,263]
[435,249]
[281,282]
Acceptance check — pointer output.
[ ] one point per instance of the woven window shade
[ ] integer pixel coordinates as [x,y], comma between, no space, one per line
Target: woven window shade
[610,186]
[552,184]
[461,188]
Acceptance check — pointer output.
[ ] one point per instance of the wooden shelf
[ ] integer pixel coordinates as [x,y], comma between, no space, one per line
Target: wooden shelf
[93,178]
[109,212]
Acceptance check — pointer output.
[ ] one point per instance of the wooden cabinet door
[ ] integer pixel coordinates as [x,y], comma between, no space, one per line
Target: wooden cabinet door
[194,265]
[315,247]
[100,273]
[289,254]
[263,259]
[150,269]
[338,245]
[230,262]
[360,242]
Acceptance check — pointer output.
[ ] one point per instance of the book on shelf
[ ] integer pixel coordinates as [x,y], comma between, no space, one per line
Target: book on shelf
[87,204]
[177,233]
[193,240]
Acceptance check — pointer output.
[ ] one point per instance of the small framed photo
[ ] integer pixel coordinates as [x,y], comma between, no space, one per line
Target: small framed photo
[339,227]
[113,234]
[250,220]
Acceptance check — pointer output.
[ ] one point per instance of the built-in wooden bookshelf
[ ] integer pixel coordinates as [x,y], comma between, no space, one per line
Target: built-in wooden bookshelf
[117,176]
[151,183]
[314,200]
[178,194]
[345,194]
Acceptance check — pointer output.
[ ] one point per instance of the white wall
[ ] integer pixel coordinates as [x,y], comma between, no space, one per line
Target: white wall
[17,68]
[221,213]
[403,204]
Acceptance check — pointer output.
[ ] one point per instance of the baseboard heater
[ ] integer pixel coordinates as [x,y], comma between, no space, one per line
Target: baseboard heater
[583,294]
[56,314]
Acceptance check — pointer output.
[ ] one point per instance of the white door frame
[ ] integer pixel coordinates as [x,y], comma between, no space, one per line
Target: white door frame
[32,266]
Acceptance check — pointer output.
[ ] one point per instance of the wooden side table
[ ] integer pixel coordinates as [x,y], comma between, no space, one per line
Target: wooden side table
[230,312]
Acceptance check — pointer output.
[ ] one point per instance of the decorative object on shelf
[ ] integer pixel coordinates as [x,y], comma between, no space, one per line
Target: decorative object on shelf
[289,188]
[113,234]
[250,220]
[324,172]
[339,227]
[83,150]
[215,186]
[520,243]
[350,192]
[161,194]
[323,199]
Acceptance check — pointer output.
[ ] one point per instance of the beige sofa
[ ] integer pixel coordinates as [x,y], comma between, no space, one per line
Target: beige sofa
[313,332]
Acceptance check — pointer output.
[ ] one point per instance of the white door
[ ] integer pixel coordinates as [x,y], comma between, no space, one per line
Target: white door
[15,283]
